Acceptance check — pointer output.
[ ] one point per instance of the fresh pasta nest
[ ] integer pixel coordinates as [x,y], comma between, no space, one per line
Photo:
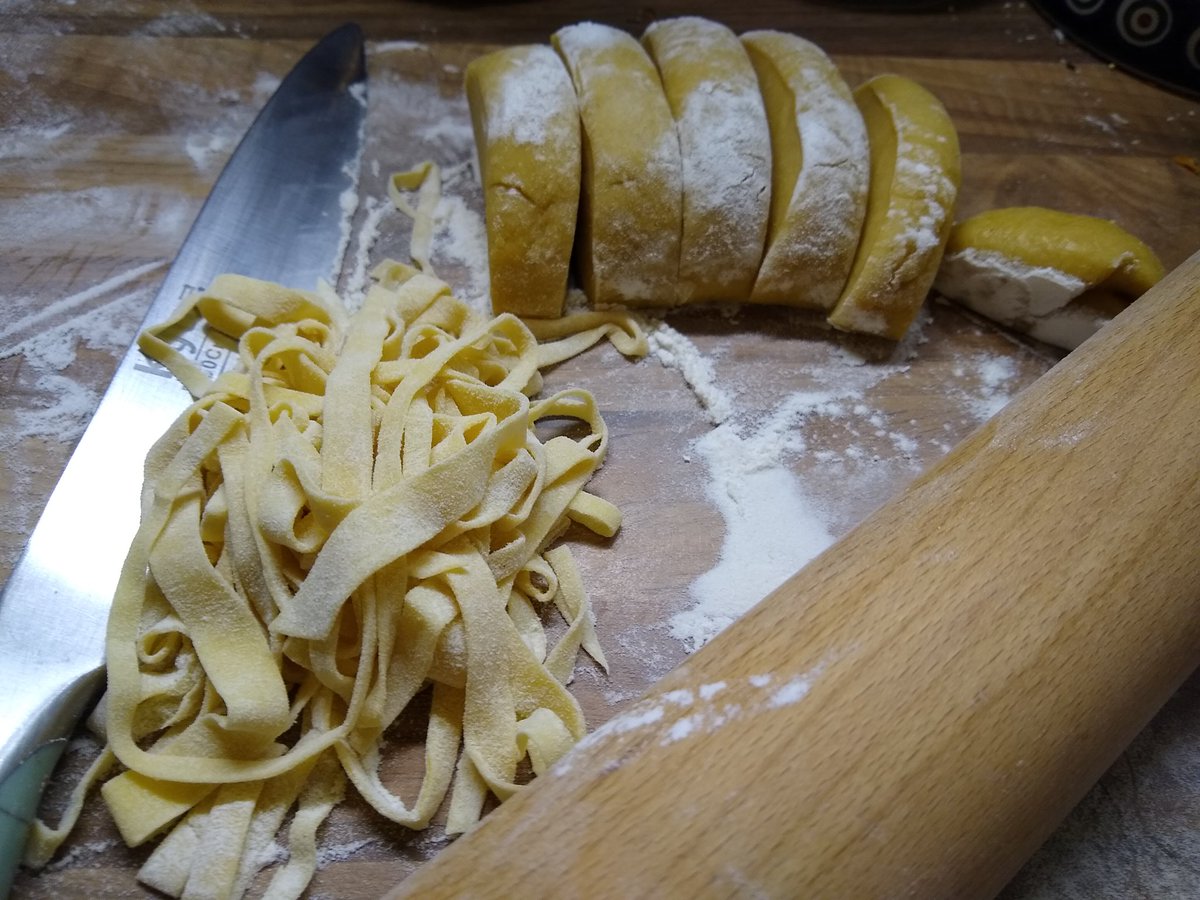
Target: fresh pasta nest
[364,511]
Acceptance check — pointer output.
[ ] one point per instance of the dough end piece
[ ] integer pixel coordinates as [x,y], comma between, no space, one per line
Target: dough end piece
[1056,276]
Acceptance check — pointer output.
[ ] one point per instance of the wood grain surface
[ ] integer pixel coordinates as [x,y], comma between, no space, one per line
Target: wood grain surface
[115,117]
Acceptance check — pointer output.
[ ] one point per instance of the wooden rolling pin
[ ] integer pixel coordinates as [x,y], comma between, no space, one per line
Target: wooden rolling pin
[913,713]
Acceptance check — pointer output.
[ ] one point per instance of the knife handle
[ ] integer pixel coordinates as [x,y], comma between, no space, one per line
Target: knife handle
[915,711]
[20,792]
[33,741]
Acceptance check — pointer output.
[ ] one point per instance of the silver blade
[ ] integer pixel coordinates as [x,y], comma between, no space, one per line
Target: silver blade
[275,213]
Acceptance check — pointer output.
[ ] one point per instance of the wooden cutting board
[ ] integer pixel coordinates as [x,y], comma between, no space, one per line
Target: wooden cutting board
[116,121]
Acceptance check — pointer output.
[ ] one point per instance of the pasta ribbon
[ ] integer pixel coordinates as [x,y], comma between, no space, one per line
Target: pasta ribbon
[363,512]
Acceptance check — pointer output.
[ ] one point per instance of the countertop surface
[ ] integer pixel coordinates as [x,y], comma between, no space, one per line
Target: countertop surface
[117,115]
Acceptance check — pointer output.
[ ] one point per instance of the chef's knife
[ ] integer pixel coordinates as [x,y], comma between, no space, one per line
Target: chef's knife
[277,212]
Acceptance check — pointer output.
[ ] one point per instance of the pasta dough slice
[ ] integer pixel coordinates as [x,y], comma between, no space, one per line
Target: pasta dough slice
[819,174]
[526,123]
[725,149]
[631,202]
[1055,276]
[915,173]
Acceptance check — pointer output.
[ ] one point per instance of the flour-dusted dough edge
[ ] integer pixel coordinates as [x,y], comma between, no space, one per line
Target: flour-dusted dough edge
[915,174]
[1034,300]
[1097,251]
[1003,288]
[631,201]
[811,247]
[527,134]
[1054,275]
[725,148]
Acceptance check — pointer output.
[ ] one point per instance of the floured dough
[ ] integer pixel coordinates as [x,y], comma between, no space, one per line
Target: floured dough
[632,192]
[1056,276]
[819,176]
[526,123]
[915,174]
[725,148]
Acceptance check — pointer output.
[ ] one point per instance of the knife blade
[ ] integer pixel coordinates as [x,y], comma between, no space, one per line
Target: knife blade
[277,213]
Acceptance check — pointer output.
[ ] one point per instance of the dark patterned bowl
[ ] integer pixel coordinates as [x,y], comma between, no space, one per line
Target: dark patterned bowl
[1157,39]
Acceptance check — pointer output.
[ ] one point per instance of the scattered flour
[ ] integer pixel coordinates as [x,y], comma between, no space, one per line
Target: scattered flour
[460,249]
[184,21]
[53,220]
[708,691]
[209,150]
[349,206]
[449,132]
[771,530]
[80,852]
[48,311]
[682,714]
[356,288]
[265,84]
[45,400]
[429,126]
[633,720]
[331,853]
[994,377]
[1102,124]
[382,47]
[793,691]
[32,140]
[774,521]
[675,351]
[60,406]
